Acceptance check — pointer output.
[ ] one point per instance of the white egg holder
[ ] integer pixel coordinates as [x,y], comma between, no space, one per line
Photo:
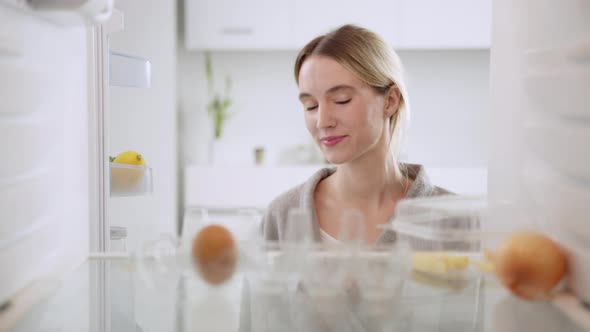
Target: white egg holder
[295,287]
[130,180]
[369,288]
[299,289]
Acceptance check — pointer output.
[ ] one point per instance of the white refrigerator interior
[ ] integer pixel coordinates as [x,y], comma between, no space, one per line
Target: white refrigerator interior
[44,148]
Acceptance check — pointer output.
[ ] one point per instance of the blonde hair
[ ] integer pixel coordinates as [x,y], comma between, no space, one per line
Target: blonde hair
[367,55]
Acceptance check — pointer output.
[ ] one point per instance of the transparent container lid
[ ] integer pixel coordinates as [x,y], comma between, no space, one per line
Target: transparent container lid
[448,218]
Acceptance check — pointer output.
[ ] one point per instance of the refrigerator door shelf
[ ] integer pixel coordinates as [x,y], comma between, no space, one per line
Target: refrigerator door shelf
[549,25]
[573,308]
[578,259]
[577,53]
[129,71]
[561,201]
[561,144]
[560,92]
[130,180]
[579,272]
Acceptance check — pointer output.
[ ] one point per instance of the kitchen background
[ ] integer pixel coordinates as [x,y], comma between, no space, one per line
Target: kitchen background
[254,43]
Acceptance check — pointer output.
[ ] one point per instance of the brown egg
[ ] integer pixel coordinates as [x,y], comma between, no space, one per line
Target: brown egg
[214,254]
[530,265]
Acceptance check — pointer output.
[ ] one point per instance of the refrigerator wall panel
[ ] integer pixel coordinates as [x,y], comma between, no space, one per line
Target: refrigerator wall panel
[44,147]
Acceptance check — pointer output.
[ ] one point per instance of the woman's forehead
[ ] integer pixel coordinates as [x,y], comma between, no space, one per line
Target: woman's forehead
[320,74]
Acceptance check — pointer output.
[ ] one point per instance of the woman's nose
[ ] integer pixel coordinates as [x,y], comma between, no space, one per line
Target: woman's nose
[325,117]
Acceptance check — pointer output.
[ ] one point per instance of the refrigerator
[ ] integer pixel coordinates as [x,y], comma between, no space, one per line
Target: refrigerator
[57,73]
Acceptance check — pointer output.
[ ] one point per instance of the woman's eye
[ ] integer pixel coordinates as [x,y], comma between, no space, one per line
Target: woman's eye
[311,108]
[344,101]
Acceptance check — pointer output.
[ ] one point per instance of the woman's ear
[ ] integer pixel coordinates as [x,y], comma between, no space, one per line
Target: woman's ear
[392,101]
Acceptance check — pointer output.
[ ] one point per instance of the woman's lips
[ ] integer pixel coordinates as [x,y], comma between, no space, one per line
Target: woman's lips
[330,141]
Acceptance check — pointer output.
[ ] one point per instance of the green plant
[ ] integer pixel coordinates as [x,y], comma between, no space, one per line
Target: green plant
[218,105]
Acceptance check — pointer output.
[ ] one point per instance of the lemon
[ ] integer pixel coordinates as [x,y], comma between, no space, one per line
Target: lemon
[130,158]
[125,179]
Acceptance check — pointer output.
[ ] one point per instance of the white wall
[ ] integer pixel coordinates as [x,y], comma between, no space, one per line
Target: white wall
[144,120]
[448,91]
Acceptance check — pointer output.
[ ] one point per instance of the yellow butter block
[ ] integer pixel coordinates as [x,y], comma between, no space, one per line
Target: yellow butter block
[485,266]
[438,262]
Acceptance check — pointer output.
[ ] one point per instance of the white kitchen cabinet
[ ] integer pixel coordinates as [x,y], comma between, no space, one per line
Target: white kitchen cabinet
[405,24]
[286,24]
[238,24]
[451,24]
[312,18]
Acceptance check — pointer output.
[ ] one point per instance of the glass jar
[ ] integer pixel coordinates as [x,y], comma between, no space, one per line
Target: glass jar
[121,284]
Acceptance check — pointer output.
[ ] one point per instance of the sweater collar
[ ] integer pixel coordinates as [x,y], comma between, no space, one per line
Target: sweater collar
[421,186]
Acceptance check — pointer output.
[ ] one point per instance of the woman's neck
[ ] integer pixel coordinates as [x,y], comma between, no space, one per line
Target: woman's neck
[369,181]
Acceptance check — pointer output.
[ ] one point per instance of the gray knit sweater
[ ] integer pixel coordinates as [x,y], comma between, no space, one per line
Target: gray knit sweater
[274,222]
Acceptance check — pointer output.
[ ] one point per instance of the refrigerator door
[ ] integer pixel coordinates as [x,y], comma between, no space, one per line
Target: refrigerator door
[540,77]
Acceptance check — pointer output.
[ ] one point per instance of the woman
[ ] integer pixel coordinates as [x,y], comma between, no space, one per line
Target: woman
[355,106]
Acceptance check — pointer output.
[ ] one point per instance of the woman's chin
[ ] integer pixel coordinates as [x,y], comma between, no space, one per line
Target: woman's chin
[336,159]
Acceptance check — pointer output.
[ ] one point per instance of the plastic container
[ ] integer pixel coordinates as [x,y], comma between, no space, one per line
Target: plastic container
[448,236]
[130,180]
[450,223]
[442,309]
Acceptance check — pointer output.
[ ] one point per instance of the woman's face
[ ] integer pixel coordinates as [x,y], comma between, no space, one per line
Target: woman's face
[344,115]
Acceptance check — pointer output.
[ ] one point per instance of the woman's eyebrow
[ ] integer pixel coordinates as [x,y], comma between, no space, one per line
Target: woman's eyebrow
[331,90]
[304,95]
[339,88]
